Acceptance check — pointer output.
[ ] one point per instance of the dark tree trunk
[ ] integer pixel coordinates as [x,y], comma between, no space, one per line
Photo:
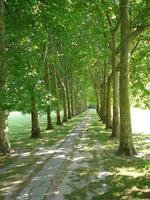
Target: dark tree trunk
[35,132]
[65,106]
[72,102]
[103,97]
[108,103]
[75,102]
[126,143]
[115,76]
[4,138]
[104,100]
[68,101]
[58,118]
[98,103]
[62,81]
[49,119]
[103,103]
[58,100]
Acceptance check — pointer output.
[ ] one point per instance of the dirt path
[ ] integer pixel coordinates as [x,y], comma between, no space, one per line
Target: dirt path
[73,167]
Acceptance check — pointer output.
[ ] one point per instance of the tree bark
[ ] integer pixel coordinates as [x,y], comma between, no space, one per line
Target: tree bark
[108,103]
[68,101]
[62,81]
[35,132]
[59,122]
[48,86]
[49,119]
[103,103]
[126,143]
[103,92]
[72,101]
[58,118]
[4,138]
[115,76]
[97,103]
[65,106]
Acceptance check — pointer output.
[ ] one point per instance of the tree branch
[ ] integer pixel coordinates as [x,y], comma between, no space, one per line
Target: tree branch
[109,20]
[135,46]
[138,31]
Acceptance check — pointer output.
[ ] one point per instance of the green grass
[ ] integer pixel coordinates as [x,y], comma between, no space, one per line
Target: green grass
[128,178]
[24,157]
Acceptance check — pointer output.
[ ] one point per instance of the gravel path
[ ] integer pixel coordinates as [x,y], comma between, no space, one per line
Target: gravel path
[83,170]
[38,187]
[70,168]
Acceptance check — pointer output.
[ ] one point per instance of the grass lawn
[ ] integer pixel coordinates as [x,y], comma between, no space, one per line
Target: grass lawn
[127,178]
[25,158]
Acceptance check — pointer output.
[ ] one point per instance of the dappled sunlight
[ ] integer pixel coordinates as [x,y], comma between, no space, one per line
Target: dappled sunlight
[103,174]
[60,156]
[141,192]
[5,189]
[78,158]
[47,151]
[85,138]
[20,165]
[129,171]
[25,154]
[49,131]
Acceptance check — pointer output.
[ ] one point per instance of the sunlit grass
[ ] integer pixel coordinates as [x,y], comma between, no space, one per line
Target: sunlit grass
[140,120]
[128,178]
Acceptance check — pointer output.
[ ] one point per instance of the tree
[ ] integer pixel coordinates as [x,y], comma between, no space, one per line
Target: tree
[4,138]
[126,142]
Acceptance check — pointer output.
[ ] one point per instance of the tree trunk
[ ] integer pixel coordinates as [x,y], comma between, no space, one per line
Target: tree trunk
[126,143]
[108,103]
[4,138]
[68,101]
[72,102]
[35,132]
[103,97]
[75,101]
[58,118]
[97,101]
[97,104]
[101,106]
[103,103]
[49,119]
[115,76]
[58,100]
[62,81]
[48,87]
[65,106]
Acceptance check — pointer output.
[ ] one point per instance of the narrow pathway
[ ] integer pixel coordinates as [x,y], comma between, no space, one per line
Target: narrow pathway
[83,176]
[72,168]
